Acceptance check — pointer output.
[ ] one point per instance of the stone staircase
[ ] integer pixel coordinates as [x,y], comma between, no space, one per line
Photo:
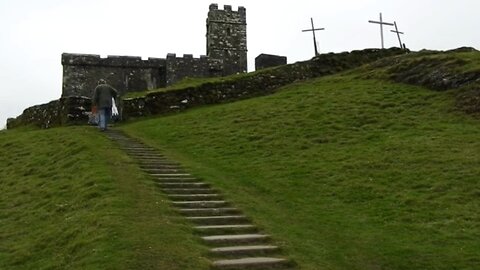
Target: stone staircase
[234,242]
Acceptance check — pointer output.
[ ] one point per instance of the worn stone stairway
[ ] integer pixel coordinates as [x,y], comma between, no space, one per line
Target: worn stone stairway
[234,242]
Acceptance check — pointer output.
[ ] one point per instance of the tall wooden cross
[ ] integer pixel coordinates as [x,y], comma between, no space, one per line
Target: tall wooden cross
[382,23]
[398,34]
[314,38]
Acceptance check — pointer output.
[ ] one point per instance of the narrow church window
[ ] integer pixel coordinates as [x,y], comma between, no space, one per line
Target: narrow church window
[229,31]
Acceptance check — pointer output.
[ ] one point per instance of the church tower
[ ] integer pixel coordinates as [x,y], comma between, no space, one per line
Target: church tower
[227,38]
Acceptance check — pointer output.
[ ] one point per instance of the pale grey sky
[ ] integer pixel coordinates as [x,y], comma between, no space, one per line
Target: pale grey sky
[35,33]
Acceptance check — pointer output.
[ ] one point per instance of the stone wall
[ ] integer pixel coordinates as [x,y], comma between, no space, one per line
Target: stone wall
[61,112]
[81,73]
[179,68]
[267,60]
[74,110]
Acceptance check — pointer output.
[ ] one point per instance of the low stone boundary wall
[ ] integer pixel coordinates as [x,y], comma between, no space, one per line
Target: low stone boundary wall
[251,85]
[61,112]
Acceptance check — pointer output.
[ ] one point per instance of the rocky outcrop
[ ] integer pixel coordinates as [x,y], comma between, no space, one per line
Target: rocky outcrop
[438,71]
[434,73]
[435,70]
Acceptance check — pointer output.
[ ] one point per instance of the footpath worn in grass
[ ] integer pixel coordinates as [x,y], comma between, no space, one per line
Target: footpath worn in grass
[69,199]
[345,173]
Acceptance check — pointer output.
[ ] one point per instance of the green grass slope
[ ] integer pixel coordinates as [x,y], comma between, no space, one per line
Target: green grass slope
[351,171]
[345,172]
[70,200]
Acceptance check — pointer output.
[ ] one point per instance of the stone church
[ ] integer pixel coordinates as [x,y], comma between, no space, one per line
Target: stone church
[226,54]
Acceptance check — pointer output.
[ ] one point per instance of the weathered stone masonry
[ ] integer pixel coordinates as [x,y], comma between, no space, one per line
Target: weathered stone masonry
[188,66]
[81,73]
[227,38]
[226,54]
[267,60]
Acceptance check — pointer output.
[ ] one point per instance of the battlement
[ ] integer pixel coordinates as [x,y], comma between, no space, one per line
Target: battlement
[173,56]
[219,14]
[189,66]
[69,59]
[226,7]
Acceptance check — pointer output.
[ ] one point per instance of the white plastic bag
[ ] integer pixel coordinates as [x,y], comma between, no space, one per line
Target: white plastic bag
[114,108]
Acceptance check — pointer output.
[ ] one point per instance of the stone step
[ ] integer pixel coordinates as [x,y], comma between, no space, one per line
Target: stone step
[129,141]
[199,212]
[180,180]
[150,158]
[170,175]
[117,137]
[128,145]
[218,220]
[163,171]
[142,150]
[120,141]
[217,223]
[252,263]
[156,163]
[147,156]
[258,250]
[200,204]
[139,150]
[139,147]
[160,166]
[179,191]
[195,197]
[236,239]
[226,229]
[183,184]
[145,153]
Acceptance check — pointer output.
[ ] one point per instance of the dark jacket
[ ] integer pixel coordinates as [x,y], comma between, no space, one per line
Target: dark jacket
[102,97]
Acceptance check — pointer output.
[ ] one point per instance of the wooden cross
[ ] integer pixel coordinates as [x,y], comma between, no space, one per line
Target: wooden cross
[398,34]
[382,23]
[314,39]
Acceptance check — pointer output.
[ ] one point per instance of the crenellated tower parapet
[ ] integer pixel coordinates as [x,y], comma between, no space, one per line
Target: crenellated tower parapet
[217,14]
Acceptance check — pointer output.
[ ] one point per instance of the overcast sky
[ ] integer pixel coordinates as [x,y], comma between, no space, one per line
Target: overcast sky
[34,33]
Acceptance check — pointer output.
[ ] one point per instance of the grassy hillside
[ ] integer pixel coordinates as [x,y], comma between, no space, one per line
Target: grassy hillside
[351,171]
[346,172]
[70,200]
